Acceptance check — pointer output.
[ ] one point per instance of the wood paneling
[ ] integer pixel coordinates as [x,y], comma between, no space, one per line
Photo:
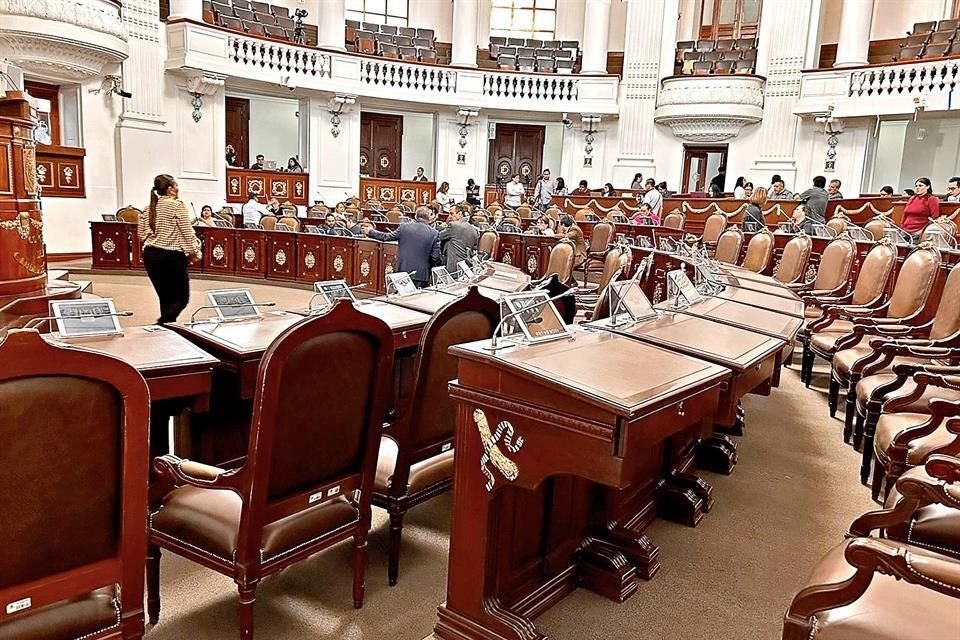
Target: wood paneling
[381,137]
[60,171]
[281,185]
[238,128]
[281,255]
[880,52]
[395,191]
[517,148]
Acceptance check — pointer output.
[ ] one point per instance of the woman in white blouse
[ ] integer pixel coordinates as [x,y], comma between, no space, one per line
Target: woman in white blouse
[515,193]
[444,199]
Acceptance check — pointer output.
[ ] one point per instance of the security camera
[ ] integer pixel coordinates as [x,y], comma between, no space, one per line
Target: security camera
[565,121]
[287,81]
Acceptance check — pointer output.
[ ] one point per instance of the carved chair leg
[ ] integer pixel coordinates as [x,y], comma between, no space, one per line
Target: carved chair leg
[850,412]
[806,364]
[396,533]
[153,584]
[833,397]
[867,455]
[248,597]
[858,427]
[879,473]
[359,567]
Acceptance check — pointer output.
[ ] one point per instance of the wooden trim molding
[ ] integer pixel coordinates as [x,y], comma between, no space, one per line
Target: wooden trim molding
[60,171]
[66,257]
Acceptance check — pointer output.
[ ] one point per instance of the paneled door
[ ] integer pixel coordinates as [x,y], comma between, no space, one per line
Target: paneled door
[517,148]
[700,165]
[381,137]
[238,128]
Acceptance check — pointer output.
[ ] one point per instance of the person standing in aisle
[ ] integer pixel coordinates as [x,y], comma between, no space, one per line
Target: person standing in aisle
[169,241]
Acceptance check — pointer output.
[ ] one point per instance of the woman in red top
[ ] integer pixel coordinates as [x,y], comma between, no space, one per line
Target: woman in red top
[921,207]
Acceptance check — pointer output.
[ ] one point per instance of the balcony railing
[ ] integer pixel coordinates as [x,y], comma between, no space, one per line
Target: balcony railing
[194,45]
[889,89]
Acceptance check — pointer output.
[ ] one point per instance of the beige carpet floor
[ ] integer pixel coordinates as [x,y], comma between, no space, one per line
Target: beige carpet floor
[789,500]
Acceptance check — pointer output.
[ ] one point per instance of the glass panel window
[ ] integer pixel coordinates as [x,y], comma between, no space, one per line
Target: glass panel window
[392,12]
[524,18]
[751,10]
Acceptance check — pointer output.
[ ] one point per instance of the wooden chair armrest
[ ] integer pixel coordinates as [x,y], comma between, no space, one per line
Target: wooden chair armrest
[946,468]
[917,488]
[853,312]
[197,474]
[938,573]
[940,409]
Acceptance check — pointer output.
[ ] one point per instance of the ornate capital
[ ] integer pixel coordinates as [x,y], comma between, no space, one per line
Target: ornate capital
[203,83]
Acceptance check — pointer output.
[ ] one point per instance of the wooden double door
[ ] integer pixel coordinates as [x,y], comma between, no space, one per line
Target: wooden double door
[516,149]
[381,139]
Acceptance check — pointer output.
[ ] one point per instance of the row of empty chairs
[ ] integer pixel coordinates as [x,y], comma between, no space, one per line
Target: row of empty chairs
[398,43]
[729,55]
[930,40]
[527,54]
[257,18]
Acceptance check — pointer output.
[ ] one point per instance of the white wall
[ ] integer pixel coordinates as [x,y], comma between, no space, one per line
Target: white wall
[418,148]
[891,18]
[434,14]
[274,128]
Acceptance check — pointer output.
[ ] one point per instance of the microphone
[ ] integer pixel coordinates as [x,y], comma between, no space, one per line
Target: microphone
[117,314]
[229,306]
[539,305]
[317,295]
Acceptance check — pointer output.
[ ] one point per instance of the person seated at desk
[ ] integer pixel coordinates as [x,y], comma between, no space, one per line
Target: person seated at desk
[418,246]
[515,192]
[543,227]
[581,190]
[570,230]
[293,165]
[801,222]
[473,192]
[646,216]
[330,226]
[252,210]
[779,191]
[258,165]
[444,198]
[608,191]
[353,226]
[458,240]
[886,191]
[833,189]
[420,177]
[340,211]
[206,217]
[816,198]
[231,156]
[273,207]
[747,190]
[754,211]
[561,188]
[922,207]
[637,182]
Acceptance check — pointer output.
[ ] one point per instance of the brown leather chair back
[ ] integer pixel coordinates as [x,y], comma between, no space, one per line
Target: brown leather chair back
[523,211]
[292,223]
[318,211]
[942,226]
[714,225]
[874,273]
[674,220]
[615,264]
[793,261]
[394,215]
[876,227]
[836,261]
[583,214]
[489,243]
[432,411]
[514,220]
[73,485]
[373,204]
[225,214]
[330,433]
[729,245]
[408,205]
[554,212]
[914,283]
[947,320]
[561,260]
[268,222]
[837,225]
[759,252]
[129,214]
[600,237]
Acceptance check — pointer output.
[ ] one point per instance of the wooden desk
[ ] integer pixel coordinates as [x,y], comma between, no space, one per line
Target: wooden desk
[389,191]
[427,301]
[769,323]
[111,244]
[560,457]
[282,185]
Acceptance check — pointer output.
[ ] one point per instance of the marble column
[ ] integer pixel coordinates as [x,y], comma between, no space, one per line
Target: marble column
[331,23]
[596,31]
[190,9]
[466,15]
[854,39]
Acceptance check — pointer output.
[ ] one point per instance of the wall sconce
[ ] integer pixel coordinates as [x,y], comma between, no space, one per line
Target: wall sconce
[337,104]
[200,84]
[832,128]
[590,125]
[196,103]
[463,119]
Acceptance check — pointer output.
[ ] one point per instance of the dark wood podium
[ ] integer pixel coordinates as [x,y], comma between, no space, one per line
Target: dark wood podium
[561,452]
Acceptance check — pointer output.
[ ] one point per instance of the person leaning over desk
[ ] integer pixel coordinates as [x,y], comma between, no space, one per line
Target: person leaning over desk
[168,242]
[418,246]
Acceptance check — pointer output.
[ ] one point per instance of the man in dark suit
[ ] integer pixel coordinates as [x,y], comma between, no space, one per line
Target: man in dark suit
[418,246]
[458,241]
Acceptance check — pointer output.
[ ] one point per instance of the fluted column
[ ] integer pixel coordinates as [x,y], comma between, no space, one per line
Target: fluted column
[331,23]
[186,9]
[596,32]
[854,40]
[466,15]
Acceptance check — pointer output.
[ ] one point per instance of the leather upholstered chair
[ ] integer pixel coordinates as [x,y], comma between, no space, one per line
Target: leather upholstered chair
[225,214]
[941,231]
[674,220]
[871,588]
[416,452]
[129,214]
[903,310]
[597,251]
[488,244]
[877,226]
[833,276]
[318,211]
[869,364]
[73,492]
[394,215]
[759,252]
[523,211]
[868,293]
[308,476]
[838,224]
[292,223]
[793,260]
[561,261]
[268,222]
[408,205]
[729,246]
[616,265]
[713,226]
[582,214]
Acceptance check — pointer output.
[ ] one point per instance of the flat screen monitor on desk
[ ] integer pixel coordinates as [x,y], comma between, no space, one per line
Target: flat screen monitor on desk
[85,318]
[233,304]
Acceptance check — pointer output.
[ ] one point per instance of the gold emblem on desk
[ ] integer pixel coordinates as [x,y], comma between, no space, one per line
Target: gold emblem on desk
[218,252]
[310,260]
[338,264]
[249,254]
[364,268]
[491,449]
[387,270]
[507,258]
[281,257]
[532,264]
[108,245]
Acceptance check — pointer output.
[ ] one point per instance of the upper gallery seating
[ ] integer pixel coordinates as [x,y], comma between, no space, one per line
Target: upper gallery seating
[390,41]
[930,40]
[530,54]
[723,56]
[256,18]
